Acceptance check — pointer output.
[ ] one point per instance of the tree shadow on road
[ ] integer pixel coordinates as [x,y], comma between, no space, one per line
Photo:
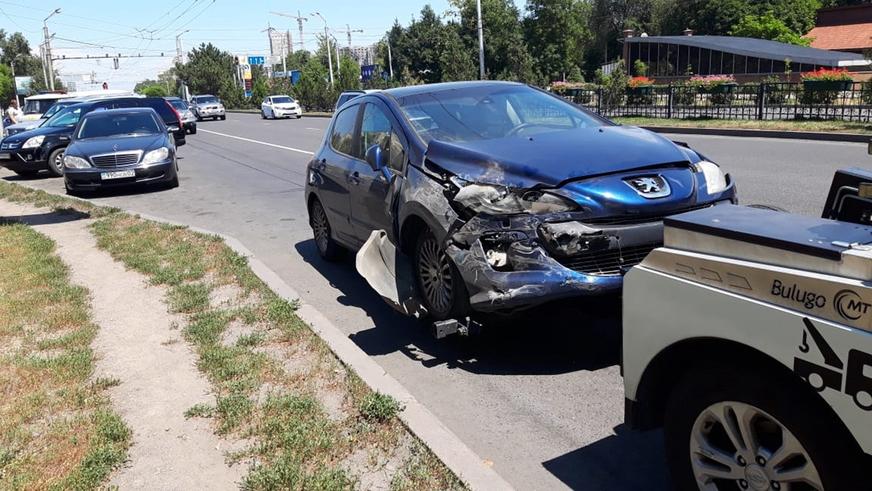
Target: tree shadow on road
[558,338]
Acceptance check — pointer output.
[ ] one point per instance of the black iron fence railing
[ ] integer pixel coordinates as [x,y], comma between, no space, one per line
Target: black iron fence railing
[834,100]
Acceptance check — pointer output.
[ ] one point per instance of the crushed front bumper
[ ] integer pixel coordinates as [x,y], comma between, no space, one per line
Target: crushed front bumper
[511,263]
[28,159]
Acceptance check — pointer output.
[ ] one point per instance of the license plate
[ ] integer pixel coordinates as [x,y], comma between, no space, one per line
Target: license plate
[119,174]
[5,156]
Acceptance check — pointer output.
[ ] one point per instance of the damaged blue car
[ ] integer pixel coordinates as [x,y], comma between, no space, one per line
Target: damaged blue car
[495,196]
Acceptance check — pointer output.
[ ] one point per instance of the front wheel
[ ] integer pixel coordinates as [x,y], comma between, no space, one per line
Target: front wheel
[439,282]
[728,429]
[56,162]
[223,118]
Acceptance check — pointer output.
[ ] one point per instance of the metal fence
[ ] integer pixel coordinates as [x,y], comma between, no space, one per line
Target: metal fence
[847,101]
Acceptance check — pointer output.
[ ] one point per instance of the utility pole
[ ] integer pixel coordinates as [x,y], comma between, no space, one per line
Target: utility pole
[180,54]
[14,85]
[327,40]
[336,46]
[44,63]
[50,81]
[480,42]
[390,61]
[300,19]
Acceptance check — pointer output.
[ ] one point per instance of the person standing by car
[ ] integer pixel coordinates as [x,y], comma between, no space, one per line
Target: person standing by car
[13,113]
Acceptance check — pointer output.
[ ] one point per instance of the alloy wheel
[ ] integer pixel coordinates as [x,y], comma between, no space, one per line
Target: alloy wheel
[434,271]
[320,228]
[734,445]
[58,162]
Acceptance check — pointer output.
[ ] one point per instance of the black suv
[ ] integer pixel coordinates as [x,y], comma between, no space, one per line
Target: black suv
[43,148]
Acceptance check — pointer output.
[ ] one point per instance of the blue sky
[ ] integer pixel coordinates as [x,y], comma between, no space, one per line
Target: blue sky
[149,27]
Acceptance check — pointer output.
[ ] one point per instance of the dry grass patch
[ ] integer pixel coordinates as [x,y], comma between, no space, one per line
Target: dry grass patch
[56,428]
[277,385]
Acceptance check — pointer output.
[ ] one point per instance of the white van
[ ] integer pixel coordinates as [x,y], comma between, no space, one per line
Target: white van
[36,105]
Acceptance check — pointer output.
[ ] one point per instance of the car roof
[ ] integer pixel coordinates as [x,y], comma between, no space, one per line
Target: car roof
[52,95]
[430,88]
[204,95]
[121,110]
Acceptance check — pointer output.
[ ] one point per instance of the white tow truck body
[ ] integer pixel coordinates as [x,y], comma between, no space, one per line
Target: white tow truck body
[780,296]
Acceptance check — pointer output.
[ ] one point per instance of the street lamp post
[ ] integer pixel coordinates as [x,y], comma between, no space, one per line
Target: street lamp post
[14,85]
[327,40]
[50,68]
[480,42]
[180,54]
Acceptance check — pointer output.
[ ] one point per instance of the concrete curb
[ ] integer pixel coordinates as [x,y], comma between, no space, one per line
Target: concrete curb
[741,132]
[447,446]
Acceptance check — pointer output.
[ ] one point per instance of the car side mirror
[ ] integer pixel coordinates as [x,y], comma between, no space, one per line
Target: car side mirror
[374,157]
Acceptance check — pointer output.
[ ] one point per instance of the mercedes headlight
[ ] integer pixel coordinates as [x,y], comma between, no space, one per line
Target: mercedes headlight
[155,156]
[497,200]
[33,142]
[715,179]
[72,162]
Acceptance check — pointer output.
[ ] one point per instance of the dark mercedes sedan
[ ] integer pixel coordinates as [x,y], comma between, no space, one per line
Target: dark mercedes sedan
[120,147]
[495,196]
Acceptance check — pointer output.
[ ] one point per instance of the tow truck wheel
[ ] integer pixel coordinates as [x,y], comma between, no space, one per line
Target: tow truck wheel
[328,249]
[439,283]
[731,429]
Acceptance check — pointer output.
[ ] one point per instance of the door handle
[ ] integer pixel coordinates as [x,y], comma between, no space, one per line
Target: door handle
[354,178]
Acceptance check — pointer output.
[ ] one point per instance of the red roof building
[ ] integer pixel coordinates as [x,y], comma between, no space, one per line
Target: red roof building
[843,29]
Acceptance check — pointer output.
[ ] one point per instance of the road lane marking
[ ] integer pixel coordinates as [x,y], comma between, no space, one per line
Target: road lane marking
[258,142]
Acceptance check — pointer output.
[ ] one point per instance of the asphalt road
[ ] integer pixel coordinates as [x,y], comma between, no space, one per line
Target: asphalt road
[541,396]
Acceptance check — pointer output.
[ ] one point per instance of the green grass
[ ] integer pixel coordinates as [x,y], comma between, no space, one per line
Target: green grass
[379,407]
[813,126]
[57,430]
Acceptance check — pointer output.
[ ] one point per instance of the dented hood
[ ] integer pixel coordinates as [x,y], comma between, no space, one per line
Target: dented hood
[548,159]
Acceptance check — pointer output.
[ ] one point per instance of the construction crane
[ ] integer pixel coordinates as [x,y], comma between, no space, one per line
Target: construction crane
[348,30]
[300,19]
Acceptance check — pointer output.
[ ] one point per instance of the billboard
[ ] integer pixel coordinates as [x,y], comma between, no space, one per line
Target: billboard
[367,72]
[22,85]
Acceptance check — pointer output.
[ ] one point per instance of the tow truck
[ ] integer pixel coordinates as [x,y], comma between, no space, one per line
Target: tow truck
[748,338]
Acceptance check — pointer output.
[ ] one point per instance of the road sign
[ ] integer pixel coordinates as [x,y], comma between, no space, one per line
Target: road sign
[295,76]
[22,85]
[256,60]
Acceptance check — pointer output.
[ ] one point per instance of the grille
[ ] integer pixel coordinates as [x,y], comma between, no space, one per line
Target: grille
[608,262]
[115,159]
[635,219]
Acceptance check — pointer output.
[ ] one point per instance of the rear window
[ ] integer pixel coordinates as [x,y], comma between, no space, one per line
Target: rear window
[179,105]
[102,125]
[163,109]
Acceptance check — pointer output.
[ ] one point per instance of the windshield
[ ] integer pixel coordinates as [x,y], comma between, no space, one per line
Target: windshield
[65,117]
[102,125]
[489,112]
[38,106]
[282,100]
[179,104]
[56,108]
[206,100]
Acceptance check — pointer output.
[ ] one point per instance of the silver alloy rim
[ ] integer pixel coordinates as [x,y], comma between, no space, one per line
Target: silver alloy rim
[435,273]
[735,442]
[320,227]
[59,162]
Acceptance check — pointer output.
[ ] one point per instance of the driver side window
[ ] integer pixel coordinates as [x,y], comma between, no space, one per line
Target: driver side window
[376,129]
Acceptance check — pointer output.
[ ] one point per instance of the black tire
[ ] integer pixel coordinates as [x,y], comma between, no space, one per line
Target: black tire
[300,116]
[829,446]
[26,173]
[328,249]
[193,130]
[223,118]
[199,119]
[439,284]
[56,162]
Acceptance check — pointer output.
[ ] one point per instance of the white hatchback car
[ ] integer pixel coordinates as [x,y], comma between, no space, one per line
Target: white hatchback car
[280,106]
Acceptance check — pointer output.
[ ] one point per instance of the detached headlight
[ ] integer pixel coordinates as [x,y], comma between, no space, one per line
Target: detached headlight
[496,200]
[156,156]
[715,180]
[72,162]
[34,142]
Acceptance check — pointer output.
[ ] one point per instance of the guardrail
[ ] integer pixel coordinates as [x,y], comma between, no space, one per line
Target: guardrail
[837,100]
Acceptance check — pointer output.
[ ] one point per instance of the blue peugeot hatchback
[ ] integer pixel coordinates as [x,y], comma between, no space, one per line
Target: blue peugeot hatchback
[495,196]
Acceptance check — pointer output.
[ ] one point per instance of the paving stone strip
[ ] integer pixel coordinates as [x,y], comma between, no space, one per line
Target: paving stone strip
[159,380]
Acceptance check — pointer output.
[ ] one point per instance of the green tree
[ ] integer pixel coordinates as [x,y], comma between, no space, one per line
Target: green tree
[557,34]
[423,48]
[349,74]
[454,57]
[7,85]
[767,26]
[155,90]
[314,89]
[505,50]
[14,48]
[720,16]
[210,70]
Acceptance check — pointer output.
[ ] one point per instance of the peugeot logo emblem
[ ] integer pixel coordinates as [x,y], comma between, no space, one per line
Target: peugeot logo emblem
[649,186]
